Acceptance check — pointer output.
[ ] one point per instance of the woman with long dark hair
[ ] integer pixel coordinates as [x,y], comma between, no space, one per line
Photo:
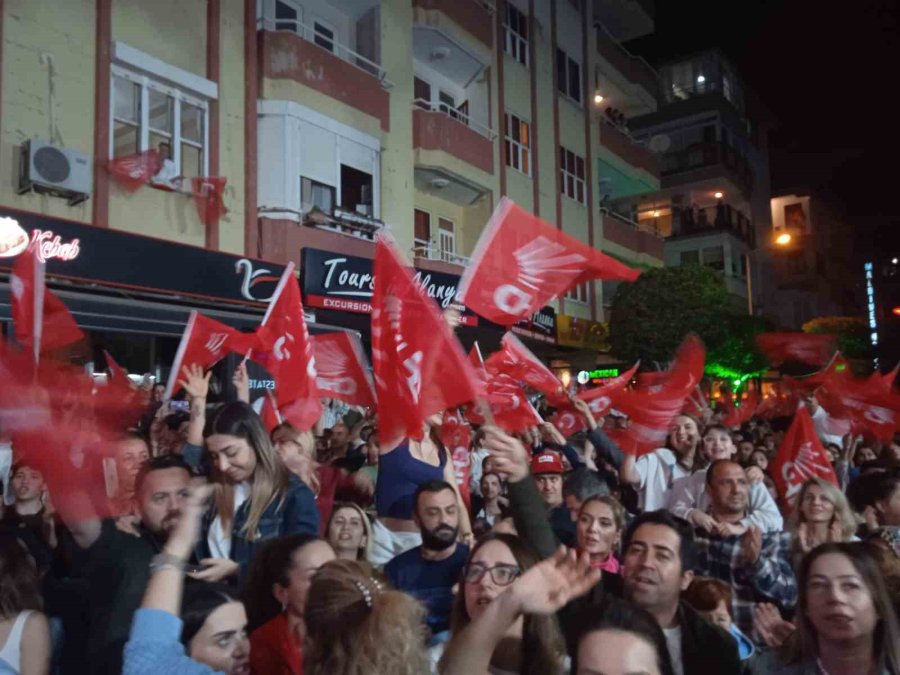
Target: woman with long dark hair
[845,621]
[532,646]
[24,631]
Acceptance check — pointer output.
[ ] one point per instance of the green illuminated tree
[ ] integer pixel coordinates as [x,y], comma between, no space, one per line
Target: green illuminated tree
[651,316]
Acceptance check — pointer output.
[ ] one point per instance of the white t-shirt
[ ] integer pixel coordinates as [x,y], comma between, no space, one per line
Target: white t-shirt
[673,642]
[220,541]
[658,471]
[5,469]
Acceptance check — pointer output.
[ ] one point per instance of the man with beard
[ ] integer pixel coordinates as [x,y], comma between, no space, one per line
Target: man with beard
[429,572]
[756,565]
[657,565]
[116,564]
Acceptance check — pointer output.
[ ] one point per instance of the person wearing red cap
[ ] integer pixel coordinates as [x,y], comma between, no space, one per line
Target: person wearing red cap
[547,470]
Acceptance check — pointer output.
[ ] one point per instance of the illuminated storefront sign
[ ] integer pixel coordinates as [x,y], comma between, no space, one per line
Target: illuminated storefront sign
[870,300]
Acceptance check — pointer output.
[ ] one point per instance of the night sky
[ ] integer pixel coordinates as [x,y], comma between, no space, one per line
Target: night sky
[828,73]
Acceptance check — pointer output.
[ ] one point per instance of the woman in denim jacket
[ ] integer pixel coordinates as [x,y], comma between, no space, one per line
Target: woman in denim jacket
[257,498]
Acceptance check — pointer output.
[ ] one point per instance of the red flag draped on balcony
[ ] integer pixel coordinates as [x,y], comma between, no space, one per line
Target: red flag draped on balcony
[342,370]
[42,321]
[651,411]
[516,360]
[800,456]
[204,343]
[522,262]
[420,367]
[133,171]
[288,354]
[804,347]
[208,191]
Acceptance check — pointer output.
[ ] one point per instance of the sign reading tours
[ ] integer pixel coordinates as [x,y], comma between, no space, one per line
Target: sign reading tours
[345,283]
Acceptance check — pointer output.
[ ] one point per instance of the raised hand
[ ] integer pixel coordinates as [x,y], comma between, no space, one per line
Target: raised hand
[508,455]
[752,545]
[241,382]
[552,583]
[187,530]
[767,622]
[195,383]
[584,410]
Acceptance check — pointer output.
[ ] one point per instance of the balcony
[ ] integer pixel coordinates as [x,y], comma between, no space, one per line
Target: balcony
[423,250]
[626,148]
[707,160]
[634,68]
[625,20]
[436,127]
[712,219]
[473,16]
[295,51]
[629,234]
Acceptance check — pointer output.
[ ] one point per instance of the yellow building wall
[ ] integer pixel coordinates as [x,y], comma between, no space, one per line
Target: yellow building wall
[575,219]
[397,183]
[546,95]
[48,91]
[519,188]
[171,30]
[475,217]
[231,124]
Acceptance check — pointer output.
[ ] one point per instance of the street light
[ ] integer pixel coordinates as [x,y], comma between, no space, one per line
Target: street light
[783,239]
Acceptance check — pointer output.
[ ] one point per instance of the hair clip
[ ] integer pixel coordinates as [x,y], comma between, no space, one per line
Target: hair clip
[366,593]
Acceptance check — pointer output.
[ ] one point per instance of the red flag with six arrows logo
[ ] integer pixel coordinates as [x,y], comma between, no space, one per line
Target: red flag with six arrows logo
[800,456]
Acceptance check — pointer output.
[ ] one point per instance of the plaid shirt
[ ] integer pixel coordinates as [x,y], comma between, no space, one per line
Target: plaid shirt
[769,579]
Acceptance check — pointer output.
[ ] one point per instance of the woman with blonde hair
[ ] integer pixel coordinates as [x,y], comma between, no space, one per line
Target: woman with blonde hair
[257,498]
[349,531]
[358,625]
[845,621]
[823,514]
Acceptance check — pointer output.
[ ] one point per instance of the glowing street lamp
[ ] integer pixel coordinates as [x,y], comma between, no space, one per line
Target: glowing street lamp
[783,239]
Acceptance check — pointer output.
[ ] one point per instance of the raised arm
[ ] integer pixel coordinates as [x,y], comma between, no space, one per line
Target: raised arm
[196,384]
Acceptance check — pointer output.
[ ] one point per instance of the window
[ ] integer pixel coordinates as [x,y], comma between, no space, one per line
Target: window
[572,175]
[447,238]
[690,257]
[714,257]
[316,195]
[447,104]
[568,76]
[422,93]
[518,143]
[323,35]
[148,115]
[356,190]
[515,34]
[421,232]
[580,293]
[287,16]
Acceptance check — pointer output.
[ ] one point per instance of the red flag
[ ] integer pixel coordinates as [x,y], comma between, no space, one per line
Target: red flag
[133,171]
[208,193]
[516,360]
[883,382]
[864,403]
[601,399]
[650,411]
[41,319]
[290,359]
[804,347]
[510,407]
[341,369]
[116,372]
[270,416]
[204,343]
[736,416]
[567,422]
[800,456]
[522,262]
[456,436]
[420,367]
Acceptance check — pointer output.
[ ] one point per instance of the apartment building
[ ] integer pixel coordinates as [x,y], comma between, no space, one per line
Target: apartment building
[712,205]
[329,121]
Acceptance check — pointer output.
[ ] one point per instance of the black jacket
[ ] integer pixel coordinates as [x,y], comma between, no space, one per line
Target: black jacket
[706,649]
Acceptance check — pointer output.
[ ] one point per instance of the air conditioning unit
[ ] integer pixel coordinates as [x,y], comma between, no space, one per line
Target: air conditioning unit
[61,172]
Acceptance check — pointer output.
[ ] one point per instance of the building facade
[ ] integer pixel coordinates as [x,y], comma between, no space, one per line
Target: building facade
[328,121]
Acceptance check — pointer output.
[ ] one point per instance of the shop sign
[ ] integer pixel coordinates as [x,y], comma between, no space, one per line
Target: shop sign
[346,283]
[540,326]
[572,331]
[119,259]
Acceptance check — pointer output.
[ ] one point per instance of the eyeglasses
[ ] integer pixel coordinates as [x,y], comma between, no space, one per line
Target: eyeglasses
[502,575]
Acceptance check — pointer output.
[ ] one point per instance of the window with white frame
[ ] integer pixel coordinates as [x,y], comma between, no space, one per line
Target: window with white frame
[323,35]
[288,16]
[517,133]
[581,293]
[568,75]
[515,34]
[572,181]
[447,238]
[149,115]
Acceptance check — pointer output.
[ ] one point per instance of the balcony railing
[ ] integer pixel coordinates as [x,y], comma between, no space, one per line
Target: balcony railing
[428,251]
[701,155]
[343,221]
[455,114]
[634,68]
[475,16]
[623,145]
[622,230]
[710,219]
[329,44]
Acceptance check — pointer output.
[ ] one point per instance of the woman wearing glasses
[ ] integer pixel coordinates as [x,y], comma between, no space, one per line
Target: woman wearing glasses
[533,644]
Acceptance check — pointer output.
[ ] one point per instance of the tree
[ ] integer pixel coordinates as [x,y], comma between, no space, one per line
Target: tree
[738,355]
[852,334]
[651,316]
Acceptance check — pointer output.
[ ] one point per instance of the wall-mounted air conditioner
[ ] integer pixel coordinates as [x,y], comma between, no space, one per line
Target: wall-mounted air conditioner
[49,169]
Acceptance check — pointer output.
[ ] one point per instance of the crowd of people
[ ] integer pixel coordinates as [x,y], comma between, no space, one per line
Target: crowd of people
[227,547]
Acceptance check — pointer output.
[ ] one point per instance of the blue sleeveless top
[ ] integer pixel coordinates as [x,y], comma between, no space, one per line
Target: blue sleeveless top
[399,474]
